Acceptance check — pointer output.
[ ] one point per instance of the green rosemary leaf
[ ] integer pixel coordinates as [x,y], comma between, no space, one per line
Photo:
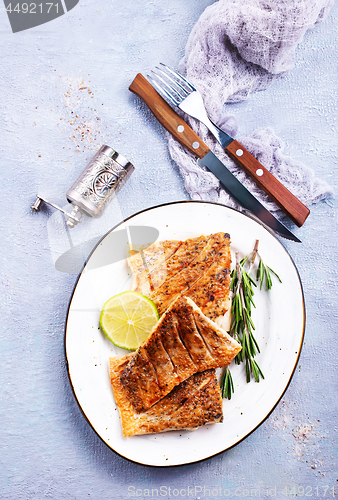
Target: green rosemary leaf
[227,384]
[249,320]
[259,273]
[252,302]
[263,274]
[268,279]
[274,274]
[262,277]
[247,370]
[233,280]
[239,308]
[256,370]
[252,281]
[244,350]
[252,346]
[255,342]
[243,261]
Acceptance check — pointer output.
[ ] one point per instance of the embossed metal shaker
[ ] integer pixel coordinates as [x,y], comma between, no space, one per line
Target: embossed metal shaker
[104,175]
[102,178]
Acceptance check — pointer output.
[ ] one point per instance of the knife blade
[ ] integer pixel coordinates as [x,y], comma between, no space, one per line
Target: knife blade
[287,201]
[206,158]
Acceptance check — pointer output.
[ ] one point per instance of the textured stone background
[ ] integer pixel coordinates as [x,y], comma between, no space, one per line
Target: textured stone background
[49,129]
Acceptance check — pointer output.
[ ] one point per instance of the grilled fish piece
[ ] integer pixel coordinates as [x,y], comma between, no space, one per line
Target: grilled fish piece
[191,404]
[199,268]
[216,250]
[211,292]
[147,259]
[149,280]
[184,342]
[143,261]
[183,256]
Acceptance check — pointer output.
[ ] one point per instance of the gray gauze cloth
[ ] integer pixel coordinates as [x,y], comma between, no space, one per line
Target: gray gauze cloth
[238,47]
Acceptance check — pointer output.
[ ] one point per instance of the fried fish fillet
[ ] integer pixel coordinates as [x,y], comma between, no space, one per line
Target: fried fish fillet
[148,259]
[155,274]
[216,251]
[184,342]
[191,404]
[199,268]
[211,292]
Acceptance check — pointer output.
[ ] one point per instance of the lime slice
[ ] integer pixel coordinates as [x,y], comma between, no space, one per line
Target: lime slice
[127,319]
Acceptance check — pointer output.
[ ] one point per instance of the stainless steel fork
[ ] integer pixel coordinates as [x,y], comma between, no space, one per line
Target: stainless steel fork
[185,96]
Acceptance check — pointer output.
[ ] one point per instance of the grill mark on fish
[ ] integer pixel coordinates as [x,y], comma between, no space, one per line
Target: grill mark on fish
[161,362]
[195,402]
[173,366]
[192,339]
[148,260]
[179,333]
[211,292]
[185,254]
[142,383]
[187,277]
[215,340]
[195,352]
[179,355]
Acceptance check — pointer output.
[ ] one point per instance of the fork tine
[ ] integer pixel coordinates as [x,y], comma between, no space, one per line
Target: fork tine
[162,90]
[169,90]
[179,77]
[174,84]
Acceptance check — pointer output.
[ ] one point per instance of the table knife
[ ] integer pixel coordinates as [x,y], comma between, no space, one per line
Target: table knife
[206,158]
[287,201]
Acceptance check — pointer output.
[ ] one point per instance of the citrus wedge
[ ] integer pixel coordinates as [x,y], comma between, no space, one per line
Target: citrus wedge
[128,318]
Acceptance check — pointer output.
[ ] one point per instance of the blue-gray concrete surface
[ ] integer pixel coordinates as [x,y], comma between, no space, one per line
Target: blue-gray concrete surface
[48,450]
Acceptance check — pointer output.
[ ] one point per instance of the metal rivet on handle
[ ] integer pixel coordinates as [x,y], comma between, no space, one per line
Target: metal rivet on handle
[196,145]
[259,172]
[180,128]
[239,152]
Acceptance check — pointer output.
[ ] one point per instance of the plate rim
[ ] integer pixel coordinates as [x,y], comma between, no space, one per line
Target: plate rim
[245,214]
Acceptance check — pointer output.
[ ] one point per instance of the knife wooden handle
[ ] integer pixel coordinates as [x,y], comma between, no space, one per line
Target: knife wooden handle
[168,117]
[288,202]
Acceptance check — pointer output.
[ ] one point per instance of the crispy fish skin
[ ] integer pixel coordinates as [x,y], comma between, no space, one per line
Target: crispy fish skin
[193,343]
[152,278]
[195,402]
[198,268]
[211,292]
[147,259]
[183,256]
[217,245]
[142,386]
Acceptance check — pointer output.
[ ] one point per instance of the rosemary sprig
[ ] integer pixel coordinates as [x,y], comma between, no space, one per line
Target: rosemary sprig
[263,271]
[242,326]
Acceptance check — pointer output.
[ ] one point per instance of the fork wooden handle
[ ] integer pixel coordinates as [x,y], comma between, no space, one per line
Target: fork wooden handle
[291,205]
[168,117]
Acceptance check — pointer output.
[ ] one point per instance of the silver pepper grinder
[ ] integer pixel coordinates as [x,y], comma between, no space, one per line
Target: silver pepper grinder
[104,175]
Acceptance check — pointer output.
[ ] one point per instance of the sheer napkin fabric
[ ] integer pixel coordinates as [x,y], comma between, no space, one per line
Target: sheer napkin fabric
[236,48]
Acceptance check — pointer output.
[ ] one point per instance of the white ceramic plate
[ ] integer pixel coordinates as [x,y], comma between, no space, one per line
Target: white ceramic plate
[279,318]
